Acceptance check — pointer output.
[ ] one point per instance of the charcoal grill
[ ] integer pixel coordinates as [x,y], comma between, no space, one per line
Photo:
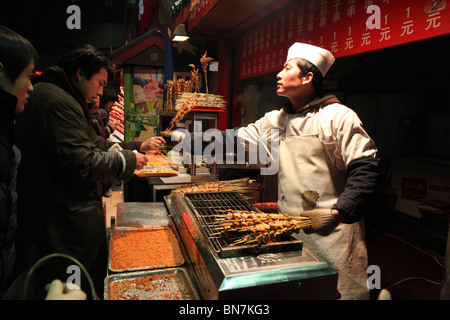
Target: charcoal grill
[282,270]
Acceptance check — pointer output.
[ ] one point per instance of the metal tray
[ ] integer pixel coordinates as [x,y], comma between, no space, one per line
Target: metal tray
[148,267]
[177,287]
[141,214]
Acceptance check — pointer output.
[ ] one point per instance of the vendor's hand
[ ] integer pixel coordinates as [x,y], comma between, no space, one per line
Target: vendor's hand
[323,222]
[176,135]
[152,143]
[141,160]
[60,291]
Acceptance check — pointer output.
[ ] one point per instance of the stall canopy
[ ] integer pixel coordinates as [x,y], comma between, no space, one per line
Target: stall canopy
[218,17]
[144,51]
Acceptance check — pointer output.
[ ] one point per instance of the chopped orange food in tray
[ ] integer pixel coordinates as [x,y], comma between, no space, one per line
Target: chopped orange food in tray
[158,286]
[145,249]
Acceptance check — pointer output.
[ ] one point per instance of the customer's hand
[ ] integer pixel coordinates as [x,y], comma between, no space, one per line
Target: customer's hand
[61,291]
[322,220]
[141,160]
[152,143]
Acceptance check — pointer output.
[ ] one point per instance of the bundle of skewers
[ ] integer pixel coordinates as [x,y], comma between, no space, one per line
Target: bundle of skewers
[182,111]
[246,187]
[250,227]
[182,95]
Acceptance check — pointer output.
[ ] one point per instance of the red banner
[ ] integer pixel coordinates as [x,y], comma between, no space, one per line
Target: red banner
[345,27]
[198,9]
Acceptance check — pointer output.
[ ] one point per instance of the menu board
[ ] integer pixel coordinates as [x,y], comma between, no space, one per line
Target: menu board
[344,27]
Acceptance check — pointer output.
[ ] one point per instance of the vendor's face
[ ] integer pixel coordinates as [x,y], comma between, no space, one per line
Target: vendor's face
[21,87]
[289,80]
[92,88]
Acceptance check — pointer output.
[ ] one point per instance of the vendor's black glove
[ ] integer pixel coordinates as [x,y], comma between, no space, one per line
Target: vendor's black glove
[322,221]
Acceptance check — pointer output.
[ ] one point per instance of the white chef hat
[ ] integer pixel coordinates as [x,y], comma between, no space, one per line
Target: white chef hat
[321,58]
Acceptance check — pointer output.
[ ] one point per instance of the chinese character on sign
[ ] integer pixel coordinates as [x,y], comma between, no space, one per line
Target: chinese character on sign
[244,47]
[323,13]
[433,20]
[413,189]
[365,39]
[334,47]
[336,13]
[310,26]
[291,24]
[351,11]
[407,28]
[282,28]
[348,43]
[275,32]
[407,25]
[300,20]
[385,34]
[281,57]
[261,41]
[367,3]
[349,40]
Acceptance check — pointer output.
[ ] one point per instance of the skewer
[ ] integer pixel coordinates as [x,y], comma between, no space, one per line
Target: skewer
[260,227]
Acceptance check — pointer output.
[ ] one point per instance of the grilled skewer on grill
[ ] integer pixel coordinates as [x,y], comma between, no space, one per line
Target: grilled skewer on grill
[258,227]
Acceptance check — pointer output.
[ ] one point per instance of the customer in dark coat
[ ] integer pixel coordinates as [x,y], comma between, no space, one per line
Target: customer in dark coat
[17,58]
[64,164]
[99,113]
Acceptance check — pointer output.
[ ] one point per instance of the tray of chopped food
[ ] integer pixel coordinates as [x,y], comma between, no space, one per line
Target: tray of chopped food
[158,165]
[133,249]
[156,170]
[166,284]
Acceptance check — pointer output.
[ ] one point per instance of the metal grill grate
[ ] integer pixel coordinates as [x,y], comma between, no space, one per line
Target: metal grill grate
[207,205]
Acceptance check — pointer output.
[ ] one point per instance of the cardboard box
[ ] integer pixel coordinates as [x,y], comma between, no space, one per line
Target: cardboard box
[419,178]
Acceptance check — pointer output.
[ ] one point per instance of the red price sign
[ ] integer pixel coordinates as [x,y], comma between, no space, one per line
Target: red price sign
[343,27]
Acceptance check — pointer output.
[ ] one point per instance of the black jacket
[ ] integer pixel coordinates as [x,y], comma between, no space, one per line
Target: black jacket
[64,164]
[9,161]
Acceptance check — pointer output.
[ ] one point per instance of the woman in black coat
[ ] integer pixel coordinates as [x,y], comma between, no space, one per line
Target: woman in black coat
[17,58]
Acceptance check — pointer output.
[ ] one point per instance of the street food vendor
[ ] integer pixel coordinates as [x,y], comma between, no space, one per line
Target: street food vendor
[328,165]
